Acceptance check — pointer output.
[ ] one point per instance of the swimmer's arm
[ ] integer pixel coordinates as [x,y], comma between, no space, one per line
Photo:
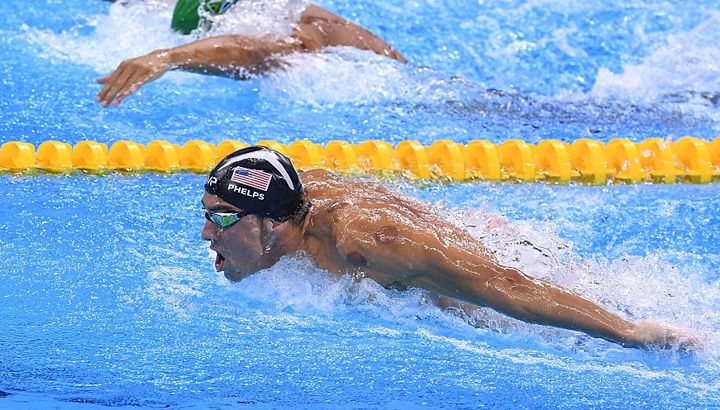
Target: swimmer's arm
[320,28]
[366,40]
[222,55]
[476,279]
[422,259]
[509,291]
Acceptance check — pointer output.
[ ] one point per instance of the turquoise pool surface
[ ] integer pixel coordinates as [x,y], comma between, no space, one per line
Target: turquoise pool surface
[108,296]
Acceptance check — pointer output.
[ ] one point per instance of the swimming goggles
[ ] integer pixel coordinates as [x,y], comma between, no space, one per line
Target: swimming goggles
[225,219]
[219,6]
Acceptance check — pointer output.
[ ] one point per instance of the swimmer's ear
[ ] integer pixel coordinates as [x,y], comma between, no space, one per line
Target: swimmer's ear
[269,225]
[270,231]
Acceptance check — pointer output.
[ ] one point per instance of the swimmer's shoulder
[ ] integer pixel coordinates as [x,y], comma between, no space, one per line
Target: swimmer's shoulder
[320,28]
[316,178]
[325,190]
[316,14]
[313,28]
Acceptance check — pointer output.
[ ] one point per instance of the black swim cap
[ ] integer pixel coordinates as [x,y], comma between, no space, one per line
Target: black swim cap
[259,180]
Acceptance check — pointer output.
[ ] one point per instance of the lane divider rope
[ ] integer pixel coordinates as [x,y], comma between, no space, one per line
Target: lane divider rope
[657,160]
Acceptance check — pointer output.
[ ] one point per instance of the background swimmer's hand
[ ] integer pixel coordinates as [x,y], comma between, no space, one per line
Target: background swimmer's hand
[131,75]
[650,335]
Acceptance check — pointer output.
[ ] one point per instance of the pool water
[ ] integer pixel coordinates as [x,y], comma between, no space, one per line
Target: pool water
[108,296]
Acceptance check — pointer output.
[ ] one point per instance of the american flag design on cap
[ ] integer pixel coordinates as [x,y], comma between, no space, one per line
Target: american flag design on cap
[252,177]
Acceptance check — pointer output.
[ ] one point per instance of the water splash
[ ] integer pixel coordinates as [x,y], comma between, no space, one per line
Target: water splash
[137,27]
[686,69]
[256,18]
[346,75]
[103,41]
[175,289]
[648,287]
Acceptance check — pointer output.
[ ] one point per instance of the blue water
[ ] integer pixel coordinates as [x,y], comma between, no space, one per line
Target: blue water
[108,296]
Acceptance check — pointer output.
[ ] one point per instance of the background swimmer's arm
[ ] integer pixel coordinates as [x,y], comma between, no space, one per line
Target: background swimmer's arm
[421,258]
[319,28]
[222,55]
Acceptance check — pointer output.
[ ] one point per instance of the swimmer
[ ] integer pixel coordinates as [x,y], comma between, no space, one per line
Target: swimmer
[259,209]
[235,56]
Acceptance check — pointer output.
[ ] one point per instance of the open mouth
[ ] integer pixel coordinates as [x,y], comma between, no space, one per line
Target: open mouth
[219,262]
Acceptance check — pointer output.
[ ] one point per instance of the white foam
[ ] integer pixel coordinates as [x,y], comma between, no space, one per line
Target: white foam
[174,288]
[257,18]
[137,27]
[349,75]
[128,30]
[688,62]
[637,287]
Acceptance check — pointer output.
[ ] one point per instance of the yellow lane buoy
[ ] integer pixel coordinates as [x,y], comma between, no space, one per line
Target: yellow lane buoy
[279,147]
[374,155]
[517,159]
[482,160]
[693,158]
[623,160]
[412,158]
[90,156]
[126,156]
[161,156]
[227,147]
[198,156]
[587,157]
[658,160]
[340,156]
[553,161]
[54,156]
[654,159]
[17,156]
[715,155]
[447,157]
[306,154]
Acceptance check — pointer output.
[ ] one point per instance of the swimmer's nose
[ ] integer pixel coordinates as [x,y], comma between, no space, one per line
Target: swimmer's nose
[209,231]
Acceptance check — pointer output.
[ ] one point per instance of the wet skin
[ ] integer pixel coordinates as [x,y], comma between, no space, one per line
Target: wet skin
[356,227]
[238,55]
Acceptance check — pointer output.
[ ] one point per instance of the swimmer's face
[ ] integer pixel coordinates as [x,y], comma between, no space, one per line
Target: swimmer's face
[239,247]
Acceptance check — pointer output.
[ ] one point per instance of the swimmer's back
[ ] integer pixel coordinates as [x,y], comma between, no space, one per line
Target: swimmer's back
[326,189]
[339,202]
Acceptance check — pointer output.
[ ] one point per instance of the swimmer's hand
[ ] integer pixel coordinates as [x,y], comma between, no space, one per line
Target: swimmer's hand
[649,335]
[131,75]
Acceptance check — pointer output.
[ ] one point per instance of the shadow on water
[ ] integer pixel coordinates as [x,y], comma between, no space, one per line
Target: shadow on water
[513,115]
[709,99]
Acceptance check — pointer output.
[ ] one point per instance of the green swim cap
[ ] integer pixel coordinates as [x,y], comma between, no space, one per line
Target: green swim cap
[186,17]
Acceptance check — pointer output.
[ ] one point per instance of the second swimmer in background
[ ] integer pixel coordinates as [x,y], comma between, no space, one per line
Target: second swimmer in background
[235,55]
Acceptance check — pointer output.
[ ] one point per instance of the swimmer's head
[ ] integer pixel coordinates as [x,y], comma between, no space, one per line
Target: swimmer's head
[186,16]
[261,181]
